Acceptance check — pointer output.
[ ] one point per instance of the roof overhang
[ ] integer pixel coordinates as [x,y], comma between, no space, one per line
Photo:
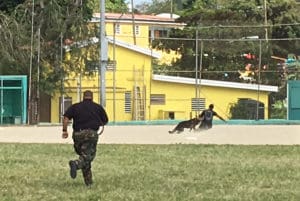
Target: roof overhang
[140,18]
[95,40]
[135,48]
[215,83]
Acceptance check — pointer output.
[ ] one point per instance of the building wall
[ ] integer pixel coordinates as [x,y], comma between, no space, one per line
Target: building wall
[126,33]
[178,99]
[133,70]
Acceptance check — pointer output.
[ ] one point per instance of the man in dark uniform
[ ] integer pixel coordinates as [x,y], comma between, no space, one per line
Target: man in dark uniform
[206,117]
[87,117]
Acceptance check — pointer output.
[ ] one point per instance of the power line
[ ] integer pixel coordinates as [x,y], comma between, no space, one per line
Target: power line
[229,39]
[245,26]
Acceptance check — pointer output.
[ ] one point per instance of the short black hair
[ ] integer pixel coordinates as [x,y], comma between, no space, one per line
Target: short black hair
[211,106]
[87,94]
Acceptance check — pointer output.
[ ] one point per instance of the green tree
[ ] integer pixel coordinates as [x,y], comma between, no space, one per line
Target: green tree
[158,6]
[218,20]
[114,6]
[8,6]
[56,23]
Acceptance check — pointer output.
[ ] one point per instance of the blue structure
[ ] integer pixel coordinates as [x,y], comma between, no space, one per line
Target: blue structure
[293,90]
[13,99]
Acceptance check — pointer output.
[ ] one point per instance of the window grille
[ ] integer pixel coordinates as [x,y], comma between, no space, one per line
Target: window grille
[127,105]
[157,99]
[111,65]
[137,30]
[117,28]
[198,104]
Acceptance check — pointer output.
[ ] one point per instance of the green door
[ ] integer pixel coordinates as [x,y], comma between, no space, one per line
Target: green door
[13,99]
[293,100]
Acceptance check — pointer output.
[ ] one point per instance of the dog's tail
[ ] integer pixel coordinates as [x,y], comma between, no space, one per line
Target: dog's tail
[171,131]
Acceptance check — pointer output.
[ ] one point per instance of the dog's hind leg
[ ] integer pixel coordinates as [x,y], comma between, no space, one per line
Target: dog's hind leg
[173,131]
[192,127]
[179,130]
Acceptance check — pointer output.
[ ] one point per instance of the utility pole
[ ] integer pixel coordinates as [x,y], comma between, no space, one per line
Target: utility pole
[196,71]
[258,82]
[103,56]
[38,78]
[266,19]
[133,23]
[171,16]
[29,112]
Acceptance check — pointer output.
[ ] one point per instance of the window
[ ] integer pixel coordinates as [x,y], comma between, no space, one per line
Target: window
[117,28]
[157,99]
[111,65]
[91,66]
[11,83]
[127,105]
[64,104]
[198,104]
[137,30]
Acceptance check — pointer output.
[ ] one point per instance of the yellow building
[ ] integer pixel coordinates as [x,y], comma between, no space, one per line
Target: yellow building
[137,29]
[176,97]
[127,84]
[140,30]
[133,92]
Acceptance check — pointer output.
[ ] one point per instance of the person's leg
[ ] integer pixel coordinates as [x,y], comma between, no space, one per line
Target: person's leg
[78,140]
[202,125]
[85,160]
[85,146]
[87,175]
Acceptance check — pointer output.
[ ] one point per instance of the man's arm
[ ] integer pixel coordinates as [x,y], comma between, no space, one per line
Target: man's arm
[201,115]
[65,127]
[221,118]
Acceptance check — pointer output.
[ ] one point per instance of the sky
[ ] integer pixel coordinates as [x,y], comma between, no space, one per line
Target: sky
[137,2]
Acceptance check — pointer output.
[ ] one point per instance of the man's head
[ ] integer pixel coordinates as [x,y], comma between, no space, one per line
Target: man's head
[211,106]
[87,95]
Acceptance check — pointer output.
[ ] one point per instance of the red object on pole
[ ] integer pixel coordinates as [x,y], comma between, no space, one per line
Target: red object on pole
[249,56]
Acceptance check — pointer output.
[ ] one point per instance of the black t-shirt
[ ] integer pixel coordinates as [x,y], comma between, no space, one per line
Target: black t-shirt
[86,115]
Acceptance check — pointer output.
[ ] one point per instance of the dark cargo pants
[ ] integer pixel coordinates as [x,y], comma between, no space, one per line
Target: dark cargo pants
[85,145]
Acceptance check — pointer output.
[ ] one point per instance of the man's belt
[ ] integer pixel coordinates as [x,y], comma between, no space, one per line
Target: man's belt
[99,131]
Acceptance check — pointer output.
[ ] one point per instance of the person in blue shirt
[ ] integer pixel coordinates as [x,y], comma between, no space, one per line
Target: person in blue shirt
[207,116]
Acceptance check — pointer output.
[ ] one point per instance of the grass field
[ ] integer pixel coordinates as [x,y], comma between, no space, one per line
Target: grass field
[152,172]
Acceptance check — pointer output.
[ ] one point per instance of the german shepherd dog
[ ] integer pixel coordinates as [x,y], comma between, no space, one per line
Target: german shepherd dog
[191,124]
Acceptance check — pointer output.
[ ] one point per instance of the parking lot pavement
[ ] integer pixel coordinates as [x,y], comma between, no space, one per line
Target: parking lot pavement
[158,134]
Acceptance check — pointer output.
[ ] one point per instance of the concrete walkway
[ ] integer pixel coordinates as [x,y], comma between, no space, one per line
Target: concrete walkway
[158,134]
